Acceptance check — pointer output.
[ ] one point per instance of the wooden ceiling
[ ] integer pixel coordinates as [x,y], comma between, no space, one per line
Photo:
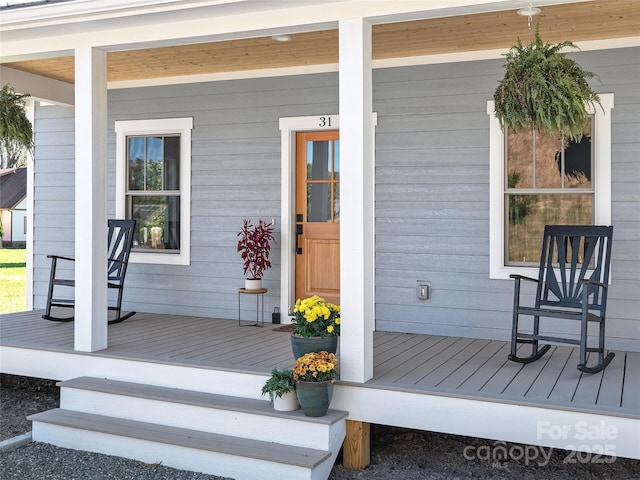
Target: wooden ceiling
[600,19]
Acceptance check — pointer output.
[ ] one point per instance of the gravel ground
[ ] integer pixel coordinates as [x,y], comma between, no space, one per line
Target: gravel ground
[396,453]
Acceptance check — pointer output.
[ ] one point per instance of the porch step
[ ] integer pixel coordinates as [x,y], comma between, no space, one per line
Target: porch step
[243,438]
[228,415]
[176,447]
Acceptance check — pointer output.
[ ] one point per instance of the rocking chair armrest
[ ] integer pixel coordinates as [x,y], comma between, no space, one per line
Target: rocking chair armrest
[59,257]
[516,276]
[596,283]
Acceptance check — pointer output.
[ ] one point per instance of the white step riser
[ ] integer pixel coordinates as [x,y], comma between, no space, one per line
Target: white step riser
[175,456]
[228,422]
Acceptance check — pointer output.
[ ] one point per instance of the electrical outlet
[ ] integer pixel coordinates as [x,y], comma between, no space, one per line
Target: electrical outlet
[424,291]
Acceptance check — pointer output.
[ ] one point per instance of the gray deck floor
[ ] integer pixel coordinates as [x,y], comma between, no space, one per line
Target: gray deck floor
[408,362]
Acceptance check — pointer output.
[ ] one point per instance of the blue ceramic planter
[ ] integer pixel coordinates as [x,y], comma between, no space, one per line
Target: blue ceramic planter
[301,345]
[314,397]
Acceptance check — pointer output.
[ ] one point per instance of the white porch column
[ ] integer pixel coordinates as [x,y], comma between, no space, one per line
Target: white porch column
[91,199]
[356,202]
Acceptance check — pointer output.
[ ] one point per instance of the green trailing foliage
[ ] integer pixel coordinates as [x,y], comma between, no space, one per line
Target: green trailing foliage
[280,382]
[543,89]
[16,132]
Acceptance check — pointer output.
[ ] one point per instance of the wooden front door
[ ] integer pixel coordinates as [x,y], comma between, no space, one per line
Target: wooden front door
[318,215]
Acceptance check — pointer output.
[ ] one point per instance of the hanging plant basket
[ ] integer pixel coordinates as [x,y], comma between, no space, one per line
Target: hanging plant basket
[545,90]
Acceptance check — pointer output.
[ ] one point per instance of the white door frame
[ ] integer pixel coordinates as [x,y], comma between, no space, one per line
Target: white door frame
[289,126]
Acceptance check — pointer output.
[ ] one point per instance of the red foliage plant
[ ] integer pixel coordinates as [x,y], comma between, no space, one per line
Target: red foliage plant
[254,247]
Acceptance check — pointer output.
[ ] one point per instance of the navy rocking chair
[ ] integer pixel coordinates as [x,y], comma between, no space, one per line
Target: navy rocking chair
[119,241]
[572,284]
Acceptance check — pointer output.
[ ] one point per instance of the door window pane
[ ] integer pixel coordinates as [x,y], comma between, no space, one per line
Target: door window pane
[336,161]
[323,175]
[318,202]
[319,159]
[336,203]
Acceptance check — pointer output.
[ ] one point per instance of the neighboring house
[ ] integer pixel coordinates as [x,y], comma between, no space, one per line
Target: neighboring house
[13,206]
[207,91]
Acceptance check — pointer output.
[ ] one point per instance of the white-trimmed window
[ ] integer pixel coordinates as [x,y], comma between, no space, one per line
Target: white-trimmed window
[153,187]
[537,180]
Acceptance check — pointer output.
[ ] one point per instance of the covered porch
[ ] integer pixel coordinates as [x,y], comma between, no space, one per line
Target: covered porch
[445,384]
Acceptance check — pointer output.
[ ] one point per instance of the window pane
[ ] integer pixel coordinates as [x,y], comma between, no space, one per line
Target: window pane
[520,159]
[154,163]
[336,161]
[318,202]
[336,203]
[172,163]
[528,214]
[158,221]
[548,154]
[319,159]
[135,150]
[578,161]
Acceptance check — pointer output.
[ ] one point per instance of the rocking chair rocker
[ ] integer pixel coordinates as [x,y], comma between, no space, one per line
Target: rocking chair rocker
[119,241]
[572,284]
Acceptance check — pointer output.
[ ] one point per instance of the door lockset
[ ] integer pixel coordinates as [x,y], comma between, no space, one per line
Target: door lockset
[299,230]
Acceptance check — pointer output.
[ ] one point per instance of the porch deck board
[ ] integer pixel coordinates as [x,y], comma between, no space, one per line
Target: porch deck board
[486,371]
[471,366]
[409,371]
[453,363]
[589,385]
[389,360]
[526,377]
[631,385]
[607,394]
[421,375]
[565,387]
[466,367]
[504,373]
[543,385]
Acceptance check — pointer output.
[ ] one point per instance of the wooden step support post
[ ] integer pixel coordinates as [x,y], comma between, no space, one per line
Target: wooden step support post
[356,452]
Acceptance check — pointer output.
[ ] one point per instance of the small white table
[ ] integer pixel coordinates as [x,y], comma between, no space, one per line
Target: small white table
[259,294]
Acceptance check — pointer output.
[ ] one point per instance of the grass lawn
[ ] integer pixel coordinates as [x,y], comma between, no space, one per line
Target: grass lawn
[13,280]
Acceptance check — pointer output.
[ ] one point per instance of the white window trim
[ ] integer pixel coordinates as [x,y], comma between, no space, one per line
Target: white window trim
[162,126]
[602,174]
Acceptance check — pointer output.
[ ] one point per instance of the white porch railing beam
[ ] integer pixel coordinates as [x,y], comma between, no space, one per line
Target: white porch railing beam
[90,199]
[356,202]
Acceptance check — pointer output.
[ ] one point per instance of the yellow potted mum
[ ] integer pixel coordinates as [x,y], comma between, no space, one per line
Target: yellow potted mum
[316,326]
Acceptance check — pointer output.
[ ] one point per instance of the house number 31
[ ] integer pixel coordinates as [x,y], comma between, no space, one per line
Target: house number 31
[325,122]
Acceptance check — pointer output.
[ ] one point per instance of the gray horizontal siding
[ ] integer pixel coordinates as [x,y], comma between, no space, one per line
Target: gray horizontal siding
[54,195]
[431,200]
[235,175]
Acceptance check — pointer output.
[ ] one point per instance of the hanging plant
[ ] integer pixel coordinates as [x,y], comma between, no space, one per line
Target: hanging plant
[545,90]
